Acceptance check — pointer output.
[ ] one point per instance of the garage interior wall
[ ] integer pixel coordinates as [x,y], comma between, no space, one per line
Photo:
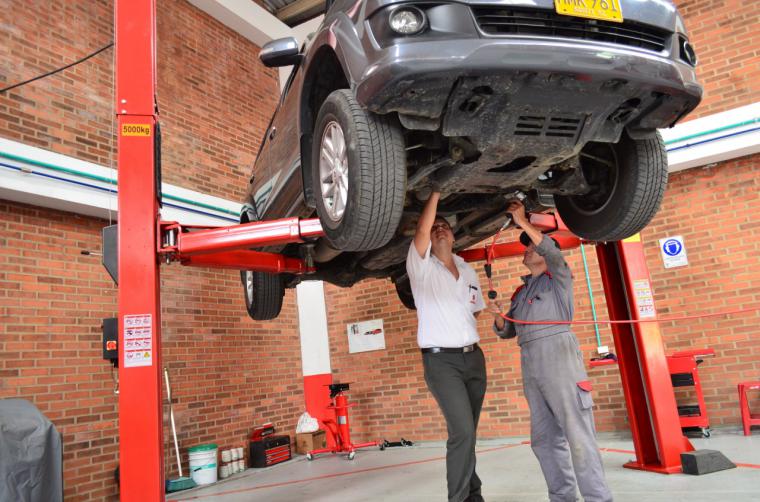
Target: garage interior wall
[229,373]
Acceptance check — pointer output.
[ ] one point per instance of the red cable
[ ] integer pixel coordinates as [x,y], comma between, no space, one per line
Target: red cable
[489,258]
[490,252]
[633,321]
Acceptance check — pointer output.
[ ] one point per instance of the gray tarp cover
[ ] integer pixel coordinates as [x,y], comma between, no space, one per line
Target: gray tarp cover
[30,454]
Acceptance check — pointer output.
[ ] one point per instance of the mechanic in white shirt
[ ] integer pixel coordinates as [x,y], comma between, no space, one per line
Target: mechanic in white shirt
[448,297]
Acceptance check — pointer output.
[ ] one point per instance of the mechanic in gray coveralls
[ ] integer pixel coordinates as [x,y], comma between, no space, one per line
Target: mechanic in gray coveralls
[554,378]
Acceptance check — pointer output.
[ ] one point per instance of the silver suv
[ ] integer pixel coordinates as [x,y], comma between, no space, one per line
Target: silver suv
[556,100]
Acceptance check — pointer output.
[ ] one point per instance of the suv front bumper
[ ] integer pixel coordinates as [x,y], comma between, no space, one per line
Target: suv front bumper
[564,76]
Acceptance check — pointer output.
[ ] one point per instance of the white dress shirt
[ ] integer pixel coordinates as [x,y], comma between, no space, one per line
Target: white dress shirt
[445,305]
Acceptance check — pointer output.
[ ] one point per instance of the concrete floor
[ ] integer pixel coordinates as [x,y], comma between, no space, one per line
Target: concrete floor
[507,467]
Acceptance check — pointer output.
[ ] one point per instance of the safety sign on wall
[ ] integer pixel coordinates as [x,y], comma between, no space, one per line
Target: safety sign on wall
[365,336]
[673,252]
[138,340]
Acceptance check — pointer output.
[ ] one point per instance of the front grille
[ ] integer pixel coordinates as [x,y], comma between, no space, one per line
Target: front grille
[495,20]
[556,127]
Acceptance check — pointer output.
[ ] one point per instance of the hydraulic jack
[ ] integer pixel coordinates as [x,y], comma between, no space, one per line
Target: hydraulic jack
[339,428]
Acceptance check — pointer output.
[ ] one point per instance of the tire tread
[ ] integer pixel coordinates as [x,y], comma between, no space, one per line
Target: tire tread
[382,171]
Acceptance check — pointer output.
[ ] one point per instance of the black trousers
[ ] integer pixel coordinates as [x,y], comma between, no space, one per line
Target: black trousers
[458,383]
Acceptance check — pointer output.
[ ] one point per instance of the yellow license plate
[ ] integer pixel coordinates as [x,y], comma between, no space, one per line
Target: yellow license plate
[606,10]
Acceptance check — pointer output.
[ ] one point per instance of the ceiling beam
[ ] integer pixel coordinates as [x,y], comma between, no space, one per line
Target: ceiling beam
[247,18]
[300,11]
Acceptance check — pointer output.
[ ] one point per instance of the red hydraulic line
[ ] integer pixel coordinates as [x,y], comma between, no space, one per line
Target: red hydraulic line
[259,261]
[637,321]
[247,235]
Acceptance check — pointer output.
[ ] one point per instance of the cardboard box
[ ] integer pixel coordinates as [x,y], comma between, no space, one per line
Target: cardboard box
[307,441]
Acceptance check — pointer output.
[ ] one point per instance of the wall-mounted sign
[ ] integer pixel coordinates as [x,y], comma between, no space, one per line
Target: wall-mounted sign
[366,336]
[673,252]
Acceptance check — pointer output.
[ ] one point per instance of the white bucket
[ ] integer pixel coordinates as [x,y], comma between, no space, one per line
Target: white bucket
[203,463]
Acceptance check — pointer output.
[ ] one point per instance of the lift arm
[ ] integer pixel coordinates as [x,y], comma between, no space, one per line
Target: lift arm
[551,224]
[229,247]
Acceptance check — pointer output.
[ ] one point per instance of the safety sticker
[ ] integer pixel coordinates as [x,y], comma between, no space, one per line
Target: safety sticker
[138,340]
[135,129]
[673,252]
[644,298]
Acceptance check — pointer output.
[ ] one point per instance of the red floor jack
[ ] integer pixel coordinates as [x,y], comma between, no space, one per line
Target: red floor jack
[339,428]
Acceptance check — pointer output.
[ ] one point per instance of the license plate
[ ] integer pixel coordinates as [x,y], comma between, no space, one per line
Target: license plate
[605,10]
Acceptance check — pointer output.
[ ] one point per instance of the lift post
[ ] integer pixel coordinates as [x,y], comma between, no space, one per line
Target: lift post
[144,242]
[140,411]
[649,397]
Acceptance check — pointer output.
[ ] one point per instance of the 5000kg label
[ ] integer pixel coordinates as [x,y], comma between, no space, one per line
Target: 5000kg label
[135,130]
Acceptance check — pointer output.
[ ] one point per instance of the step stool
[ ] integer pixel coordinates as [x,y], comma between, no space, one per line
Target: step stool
[748,419]
[684,373]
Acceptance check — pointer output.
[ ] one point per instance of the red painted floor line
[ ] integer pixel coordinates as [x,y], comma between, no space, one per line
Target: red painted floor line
[339,474]
[615,450]
[750,466]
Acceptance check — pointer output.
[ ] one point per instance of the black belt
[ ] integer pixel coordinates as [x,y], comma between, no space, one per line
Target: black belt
[450,350]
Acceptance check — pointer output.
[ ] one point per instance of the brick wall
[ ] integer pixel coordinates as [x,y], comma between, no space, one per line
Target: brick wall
[227,373]
[719,226]
[69,113]
[212,115]
[725,37]
[52,298]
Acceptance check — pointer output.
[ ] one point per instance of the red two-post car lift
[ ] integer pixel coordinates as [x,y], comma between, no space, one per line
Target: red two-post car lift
[144,242]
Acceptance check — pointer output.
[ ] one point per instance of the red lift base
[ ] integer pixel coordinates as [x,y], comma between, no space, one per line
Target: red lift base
[673,469]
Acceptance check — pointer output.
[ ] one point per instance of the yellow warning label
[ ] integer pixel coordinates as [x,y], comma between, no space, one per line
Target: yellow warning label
[135,129]
[633,238]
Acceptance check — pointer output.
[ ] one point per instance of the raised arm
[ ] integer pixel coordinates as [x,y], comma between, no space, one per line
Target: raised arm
[425,223]
[545,247]
[517,210]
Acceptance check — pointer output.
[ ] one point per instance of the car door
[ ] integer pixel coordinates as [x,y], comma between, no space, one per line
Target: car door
[260,182]
[284,155]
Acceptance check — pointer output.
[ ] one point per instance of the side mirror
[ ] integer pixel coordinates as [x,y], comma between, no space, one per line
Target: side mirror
[280,52]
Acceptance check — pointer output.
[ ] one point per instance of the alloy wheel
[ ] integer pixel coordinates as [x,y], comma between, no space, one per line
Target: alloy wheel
[333,171]
[249,287]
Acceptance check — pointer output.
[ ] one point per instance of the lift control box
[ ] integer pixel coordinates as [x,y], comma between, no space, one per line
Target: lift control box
[111,339]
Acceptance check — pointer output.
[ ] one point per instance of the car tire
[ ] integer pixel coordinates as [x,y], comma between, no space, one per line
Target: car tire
[263,294]
[632,175]
[404,292]
[370,173]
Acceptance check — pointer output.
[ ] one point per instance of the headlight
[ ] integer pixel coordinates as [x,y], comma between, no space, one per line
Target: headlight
[407,20]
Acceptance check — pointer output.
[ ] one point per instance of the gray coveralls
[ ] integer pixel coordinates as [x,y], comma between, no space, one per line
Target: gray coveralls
[555,383]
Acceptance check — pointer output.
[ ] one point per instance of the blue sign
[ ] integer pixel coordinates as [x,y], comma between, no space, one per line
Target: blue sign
[672,247]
